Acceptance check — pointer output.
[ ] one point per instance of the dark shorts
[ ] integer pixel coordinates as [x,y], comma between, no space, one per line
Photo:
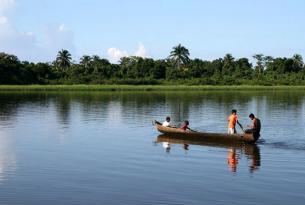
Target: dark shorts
[256,134]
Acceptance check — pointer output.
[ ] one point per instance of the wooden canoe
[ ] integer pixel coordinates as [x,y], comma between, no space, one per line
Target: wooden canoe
[206,136]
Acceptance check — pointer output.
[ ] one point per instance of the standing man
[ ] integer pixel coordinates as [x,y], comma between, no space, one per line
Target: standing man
[232,120]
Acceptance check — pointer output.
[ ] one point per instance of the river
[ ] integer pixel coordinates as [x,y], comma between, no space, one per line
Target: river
[101,148]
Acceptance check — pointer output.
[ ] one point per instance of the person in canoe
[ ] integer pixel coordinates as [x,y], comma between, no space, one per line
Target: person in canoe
[167,123]
[256,125]
[232,121]
[185,125]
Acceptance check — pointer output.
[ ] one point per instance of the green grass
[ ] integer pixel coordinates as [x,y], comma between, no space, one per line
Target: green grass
[140,87]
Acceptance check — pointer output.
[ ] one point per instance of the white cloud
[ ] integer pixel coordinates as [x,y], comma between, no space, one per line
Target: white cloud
[115,54]
[6,5]
[3,20]
[141,51]
[12,41]
[38,46]
[42,46]
[62,28]
[55,38]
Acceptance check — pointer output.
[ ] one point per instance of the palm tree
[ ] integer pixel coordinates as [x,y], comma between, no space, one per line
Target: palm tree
[96,62]
[297,62]
[180,55]
[63,59]
[228,64]
[228,60]
[85,61]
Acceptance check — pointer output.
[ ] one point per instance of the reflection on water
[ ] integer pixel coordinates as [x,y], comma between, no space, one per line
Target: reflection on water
[7,158]
[232,159]
[195,106]
[95,148]
[235,151]
[167,146]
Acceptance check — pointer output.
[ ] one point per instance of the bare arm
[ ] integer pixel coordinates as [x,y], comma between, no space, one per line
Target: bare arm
[240,125]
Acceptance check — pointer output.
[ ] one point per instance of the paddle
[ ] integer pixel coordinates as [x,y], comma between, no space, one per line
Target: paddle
[241,127]
[192,130]
[156,122]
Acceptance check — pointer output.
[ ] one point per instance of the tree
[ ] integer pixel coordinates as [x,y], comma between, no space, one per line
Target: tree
[86,61]
[43,72]
[279,66]
[10,69]
[297,62]
[101,67]
[180,56]
[197,68]
[268,60]
[138,70]
[243,69]
[260,64]
[228,64]
[159,69]
[136,67]
[63,59]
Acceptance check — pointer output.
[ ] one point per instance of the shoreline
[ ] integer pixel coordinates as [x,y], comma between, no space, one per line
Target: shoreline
[143,87]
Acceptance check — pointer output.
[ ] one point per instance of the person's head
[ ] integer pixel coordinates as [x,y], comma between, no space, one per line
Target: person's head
[186,122]
[251,116]
[168,119]
[234,112]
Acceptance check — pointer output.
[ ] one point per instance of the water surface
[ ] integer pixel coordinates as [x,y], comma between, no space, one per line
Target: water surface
[101,148]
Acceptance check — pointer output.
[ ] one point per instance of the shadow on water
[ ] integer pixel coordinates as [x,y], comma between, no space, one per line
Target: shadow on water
[235,150]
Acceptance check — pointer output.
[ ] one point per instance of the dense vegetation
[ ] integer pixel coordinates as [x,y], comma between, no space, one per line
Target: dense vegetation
[178,68]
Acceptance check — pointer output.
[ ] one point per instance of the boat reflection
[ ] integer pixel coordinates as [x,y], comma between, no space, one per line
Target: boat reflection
[235,150]
[167,146]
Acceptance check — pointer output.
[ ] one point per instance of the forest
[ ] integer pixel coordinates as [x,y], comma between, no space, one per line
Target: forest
[177,68]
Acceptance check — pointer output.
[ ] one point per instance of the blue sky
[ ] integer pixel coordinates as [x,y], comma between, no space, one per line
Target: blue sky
[37,29]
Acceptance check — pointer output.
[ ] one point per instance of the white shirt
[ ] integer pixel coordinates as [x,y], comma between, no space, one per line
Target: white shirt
[166,124]
[166,145]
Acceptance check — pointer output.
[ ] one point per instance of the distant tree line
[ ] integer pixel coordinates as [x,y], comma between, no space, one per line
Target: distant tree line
[177,68]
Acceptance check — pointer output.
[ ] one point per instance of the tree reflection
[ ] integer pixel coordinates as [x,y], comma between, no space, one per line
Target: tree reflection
[13,102]
[7,156]
[63,107]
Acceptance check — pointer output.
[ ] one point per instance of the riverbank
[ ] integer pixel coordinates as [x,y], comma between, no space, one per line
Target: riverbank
[140,87]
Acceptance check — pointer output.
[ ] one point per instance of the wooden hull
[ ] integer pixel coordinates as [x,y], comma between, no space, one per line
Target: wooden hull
[206,136]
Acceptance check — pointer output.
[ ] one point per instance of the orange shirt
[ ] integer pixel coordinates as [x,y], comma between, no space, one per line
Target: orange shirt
[232,160]
[232,121]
